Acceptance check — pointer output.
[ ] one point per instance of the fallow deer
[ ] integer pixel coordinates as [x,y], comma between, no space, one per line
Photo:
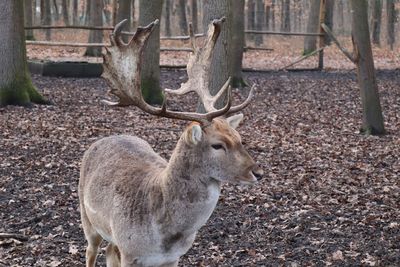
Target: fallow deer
[149,210]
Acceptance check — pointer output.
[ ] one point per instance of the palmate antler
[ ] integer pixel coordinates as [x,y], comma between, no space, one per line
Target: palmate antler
[122,64]
[199,70]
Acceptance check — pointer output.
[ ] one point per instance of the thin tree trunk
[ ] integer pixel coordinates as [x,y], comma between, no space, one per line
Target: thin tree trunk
[87,12]
[180,7]
[106,11]
[340,17]
[330,5]
[46,18]
[310,42]
[273,7]
[75,12]
[96,19]
[55,11]
[259,20]
[64,6]
[124,12]
[215,9]
[15,83]
[237,43]
[167,16]
[391,15]
[28,19]
[195,20]
[286,16]
[251,18]
[372,112]
[267,17]
[149,10]
[376,19]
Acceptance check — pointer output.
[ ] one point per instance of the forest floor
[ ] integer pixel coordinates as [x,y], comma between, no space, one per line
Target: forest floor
[330,196]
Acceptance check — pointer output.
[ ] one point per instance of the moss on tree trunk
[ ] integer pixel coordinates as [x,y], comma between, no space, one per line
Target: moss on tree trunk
[20,92]
[16,87]
[151,91]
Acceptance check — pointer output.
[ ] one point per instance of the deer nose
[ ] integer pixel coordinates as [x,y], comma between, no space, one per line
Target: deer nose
[258,173]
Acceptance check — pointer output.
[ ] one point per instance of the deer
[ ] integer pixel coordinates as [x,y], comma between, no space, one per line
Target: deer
[149,209]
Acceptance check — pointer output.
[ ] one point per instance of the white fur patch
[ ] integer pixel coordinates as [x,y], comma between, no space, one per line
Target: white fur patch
[196,134]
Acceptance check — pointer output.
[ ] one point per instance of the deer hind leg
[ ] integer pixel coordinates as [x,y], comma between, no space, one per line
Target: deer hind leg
[93,238]
[113,256]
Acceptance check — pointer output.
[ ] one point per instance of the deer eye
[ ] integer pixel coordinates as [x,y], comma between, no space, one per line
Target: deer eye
[218,146]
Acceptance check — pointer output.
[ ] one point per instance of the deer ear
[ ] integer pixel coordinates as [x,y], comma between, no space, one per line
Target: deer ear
[194,134]
[235,120]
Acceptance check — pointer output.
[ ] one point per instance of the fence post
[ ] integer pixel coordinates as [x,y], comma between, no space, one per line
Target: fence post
[322,13]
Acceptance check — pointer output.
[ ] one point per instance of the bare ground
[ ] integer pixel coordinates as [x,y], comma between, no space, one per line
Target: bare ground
[330,196]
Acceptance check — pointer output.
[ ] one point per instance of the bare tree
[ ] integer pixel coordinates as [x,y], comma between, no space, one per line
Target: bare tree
[16,87]
[238,42]
[166,15]
[372,111]
[95,19]
[74,12]
[64,7]
[259,20]
[46,16]
[391,15]
[182,19]
[195,19]
[329,8]
[285,16]
[28,19]
[376,19]
[310,42]
[251,17]
[149,10]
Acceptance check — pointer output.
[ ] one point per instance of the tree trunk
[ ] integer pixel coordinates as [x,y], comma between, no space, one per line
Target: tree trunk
[180,7]
[372,113]
[259,19]
[167,16]
[286,16]
[75,12]
[64,6]
[28,19]
[124,12]
[330,5]
[310,42]
[55,12]
[251,18]
[195,20]
[376,19]
[215,9]
[237,43]
[106,11]
[273,6]
[16,87]
[95,19]
[87,13]
[340,17]
[267,17]
[391,16]
[149,10]
[46,18]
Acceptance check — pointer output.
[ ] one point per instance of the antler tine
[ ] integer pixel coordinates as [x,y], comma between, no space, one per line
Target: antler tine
[244,104]
[115,36]
[142,33]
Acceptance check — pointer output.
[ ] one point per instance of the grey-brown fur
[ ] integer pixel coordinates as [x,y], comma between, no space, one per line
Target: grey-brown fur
[149,210]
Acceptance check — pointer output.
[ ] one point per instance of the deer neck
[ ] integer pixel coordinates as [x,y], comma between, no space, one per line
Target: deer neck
[186,176]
